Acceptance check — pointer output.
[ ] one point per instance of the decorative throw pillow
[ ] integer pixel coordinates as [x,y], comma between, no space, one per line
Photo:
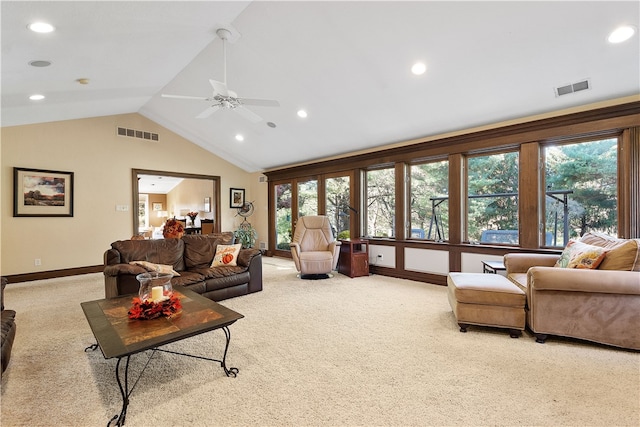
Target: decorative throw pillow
[581,255]
[623,254]
[226,255]
[623,257]
[563,261]
[160,268]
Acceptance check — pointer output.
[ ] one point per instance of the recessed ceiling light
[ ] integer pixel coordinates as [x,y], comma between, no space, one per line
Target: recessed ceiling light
[41,27]
[418,68]
[36,97]
[239,138]
[39,63]
[302,114]
[621,34]
[271,124]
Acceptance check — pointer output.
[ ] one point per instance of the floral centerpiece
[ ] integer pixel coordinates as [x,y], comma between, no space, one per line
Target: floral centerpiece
[155,297]
[173,229]
[193,216]
[149,309]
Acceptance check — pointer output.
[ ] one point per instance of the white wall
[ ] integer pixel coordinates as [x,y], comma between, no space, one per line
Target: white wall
[472,262]
[102,162]
[259,191]
[388,258]
[426,260]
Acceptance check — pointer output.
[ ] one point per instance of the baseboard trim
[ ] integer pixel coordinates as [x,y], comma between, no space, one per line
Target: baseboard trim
[434,279]
[51,274]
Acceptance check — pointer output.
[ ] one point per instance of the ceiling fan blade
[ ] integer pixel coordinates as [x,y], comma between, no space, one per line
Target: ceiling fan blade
[248,114]
[208,112]
[200,98]
[259,102]
[219,88]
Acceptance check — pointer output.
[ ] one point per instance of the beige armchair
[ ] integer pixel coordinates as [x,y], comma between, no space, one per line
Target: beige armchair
[313,248]
[598,305]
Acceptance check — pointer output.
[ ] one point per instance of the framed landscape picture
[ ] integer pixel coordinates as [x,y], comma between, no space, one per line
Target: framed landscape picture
[237,197]
[38,192]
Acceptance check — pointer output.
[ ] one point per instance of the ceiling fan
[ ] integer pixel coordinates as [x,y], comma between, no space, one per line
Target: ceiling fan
[222,97]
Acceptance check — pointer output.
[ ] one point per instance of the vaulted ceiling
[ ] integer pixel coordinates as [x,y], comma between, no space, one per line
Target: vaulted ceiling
[347,64]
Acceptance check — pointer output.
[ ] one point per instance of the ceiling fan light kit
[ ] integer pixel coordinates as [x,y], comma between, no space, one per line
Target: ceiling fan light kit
[222,97]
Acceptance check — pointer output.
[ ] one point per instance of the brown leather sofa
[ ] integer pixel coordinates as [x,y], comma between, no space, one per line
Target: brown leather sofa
[8,329]
[599,305]
[191,257]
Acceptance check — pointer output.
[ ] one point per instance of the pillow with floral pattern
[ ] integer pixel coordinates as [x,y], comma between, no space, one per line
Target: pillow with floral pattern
[581,255]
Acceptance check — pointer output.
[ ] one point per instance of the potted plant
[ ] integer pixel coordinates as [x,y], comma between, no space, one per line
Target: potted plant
[246,235]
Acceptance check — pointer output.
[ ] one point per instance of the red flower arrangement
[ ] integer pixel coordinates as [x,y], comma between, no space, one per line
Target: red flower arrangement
[173,229]
[145,310]
[192,215]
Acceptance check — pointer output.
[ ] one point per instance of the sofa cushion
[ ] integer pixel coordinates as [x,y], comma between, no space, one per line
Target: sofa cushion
[226,255]
[187,278]
[623,254]
[580,255]
[224,277]
[219,272]
[246,255]
[161,251]
[520,279]
[199,249]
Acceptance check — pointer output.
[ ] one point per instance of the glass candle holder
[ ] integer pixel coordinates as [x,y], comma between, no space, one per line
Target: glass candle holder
[155,287]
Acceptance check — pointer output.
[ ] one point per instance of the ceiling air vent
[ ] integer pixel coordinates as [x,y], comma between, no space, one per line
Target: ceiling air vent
[573,87]
[140,134]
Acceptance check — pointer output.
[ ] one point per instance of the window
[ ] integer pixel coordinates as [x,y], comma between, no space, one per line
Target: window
[307,198]
[381,203]
[283,216]
[338,208]
[581,189]
[429,201]
[492,198]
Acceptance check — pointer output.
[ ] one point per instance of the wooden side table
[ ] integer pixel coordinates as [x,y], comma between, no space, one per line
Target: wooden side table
[354,257]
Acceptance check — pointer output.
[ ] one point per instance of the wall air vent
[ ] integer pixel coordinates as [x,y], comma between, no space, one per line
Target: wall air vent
[573,87]
[263,179]
[140,134]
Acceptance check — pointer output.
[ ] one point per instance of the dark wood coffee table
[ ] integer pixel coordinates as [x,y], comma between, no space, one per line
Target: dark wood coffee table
[118,336]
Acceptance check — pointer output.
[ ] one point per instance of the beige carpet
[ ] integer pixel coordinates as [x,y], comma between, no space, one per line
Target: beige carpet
[338,352]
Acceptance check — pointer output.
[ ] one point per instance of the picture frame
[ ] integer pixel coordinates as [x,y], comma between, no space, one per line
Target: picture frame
[207,204]
[236,197]
[42,193]
[157,206]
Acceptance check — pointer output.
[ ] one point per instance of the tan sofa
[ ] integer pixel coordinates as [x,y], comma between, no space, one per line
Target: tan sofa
[600,305]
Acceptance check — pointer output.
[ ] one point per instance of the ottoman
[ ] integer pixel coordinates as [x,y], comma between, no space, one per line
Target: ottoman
[486,300]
